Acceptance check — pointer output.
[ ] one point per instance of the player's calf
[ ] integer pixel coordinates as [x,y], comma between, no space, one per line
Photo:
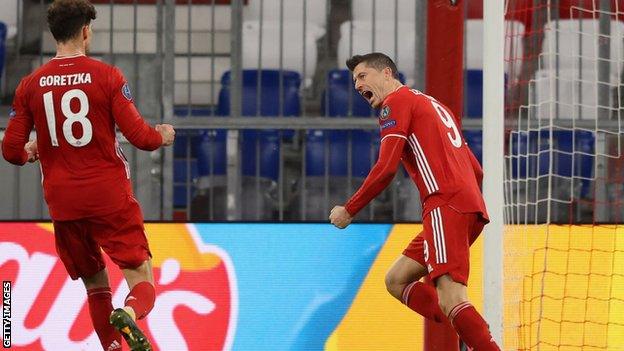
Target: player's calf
[100,308]
[450,293]
[141,299]
[470,326]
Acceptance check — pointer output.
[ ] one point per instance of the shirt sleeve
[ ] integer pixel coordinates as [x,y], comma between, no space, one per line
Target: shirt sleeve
[394,117]
[18,129]
[380,175]
[138,132]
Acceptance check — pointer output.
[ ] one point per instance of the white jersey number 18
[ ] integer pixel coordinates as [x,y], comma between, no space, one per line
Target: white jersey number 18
[71,117]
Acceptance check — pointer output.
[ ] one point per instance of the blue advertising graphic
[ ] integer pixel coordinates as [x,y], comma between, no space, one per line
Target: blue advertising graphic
[295,282]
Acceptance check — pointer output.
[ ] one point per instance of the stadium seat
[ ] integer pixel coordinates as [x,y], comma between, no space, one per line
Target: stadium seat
[183,137]
[9,16]
[474,139]
[269,97]
[341,99]
[210,148]
[208,161]
[272,103]
[3,34]
[335,144]
[473,93]
[180,172]
[531,154]
[577,146]
[401,51]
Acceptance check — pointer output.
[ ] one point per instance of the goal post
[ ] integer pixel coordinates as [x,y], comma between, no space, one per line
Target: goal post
[493,162]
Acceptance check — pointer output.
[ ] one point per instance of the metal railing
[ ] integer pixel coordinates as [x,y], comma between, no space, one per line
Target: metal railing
[285,100]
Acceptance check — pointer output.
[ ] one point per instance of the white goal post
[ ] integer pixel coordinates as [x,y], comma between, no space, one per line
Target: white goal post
[493,162]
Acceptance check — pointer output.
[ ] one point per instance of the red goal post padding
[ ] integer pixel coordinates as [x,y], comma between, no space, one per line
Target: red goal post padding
[444,81]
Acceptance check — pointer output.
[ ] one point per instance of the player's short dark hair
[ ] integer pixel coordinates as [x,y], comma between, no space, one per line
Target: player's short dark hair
[67,17]
[376,60]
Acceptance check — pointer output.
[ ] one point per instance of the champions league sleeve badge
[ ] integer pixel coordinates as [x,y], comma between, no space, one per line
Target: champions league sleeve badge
[125,91]
[12,112]
[385,113]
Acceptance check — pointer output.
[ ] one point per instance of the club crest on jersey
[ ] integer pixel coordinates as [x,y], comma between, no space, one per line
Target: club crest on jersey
[12,112]
[385,113]
[125,90]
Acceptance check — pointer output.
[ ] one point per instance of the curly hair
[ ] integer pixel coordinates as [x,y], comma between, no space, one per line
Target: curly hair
[67,17]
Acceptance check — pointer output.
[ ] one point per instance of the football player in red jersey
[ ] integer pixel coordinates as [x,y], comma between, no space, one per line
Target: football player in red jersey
[74,102]
[425,137]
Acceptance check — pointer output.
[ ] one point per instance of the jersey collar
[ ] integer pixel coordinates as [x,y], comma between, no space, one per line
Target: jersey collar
[68,56]
[392,93]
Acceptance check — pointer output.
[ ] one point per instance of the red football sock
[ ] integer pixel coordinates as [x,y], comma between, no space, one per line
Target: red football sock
[100,308]
[141,299]
[423,299]
[471,327]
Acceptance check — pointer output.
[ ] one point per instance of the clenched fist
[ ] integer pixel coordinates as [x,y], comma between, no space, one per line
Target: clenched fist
[32,151]
[340,217]
[167,133]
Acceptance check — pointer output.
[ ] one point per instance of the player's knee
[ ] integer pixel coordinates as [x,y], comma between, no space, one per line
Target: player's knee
[393,285]
[98,280]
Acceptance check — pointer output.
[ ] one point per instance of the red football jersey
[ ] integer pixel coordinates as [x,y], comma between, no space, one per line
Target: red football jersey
[427,138]
[74,104]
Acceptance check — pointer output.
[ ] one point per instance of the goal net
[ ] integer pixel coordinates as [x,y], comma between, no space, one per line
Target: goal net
[564,175]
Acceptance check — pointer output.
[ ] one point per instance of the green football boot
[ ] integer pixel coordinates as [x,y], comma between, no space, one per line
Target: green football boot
[135,338]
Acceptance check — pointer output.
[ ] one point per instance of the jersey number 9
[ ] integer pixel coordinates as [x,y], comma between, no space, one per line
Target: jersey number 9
[71,117]
[448,121]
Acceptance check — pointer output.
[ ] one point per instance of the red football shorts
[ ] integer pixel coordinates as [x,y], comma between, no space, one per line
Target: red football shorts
[443,247]
[120,235]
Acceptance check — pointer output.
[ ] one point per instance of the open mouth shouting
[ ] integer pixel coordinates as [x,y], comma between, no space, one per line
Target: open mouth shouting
[368,95]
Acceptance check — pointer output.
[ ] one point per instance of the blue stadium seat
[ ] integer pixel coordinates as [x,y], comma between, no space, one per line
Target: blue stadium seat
[180,171]
[336,144]
[531,154]
[474,138]
[473,93]
[336,99]
[269,94]
[538,145]
[3,34]
[569,142]
[210,150]
[264,143]
[208,145]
